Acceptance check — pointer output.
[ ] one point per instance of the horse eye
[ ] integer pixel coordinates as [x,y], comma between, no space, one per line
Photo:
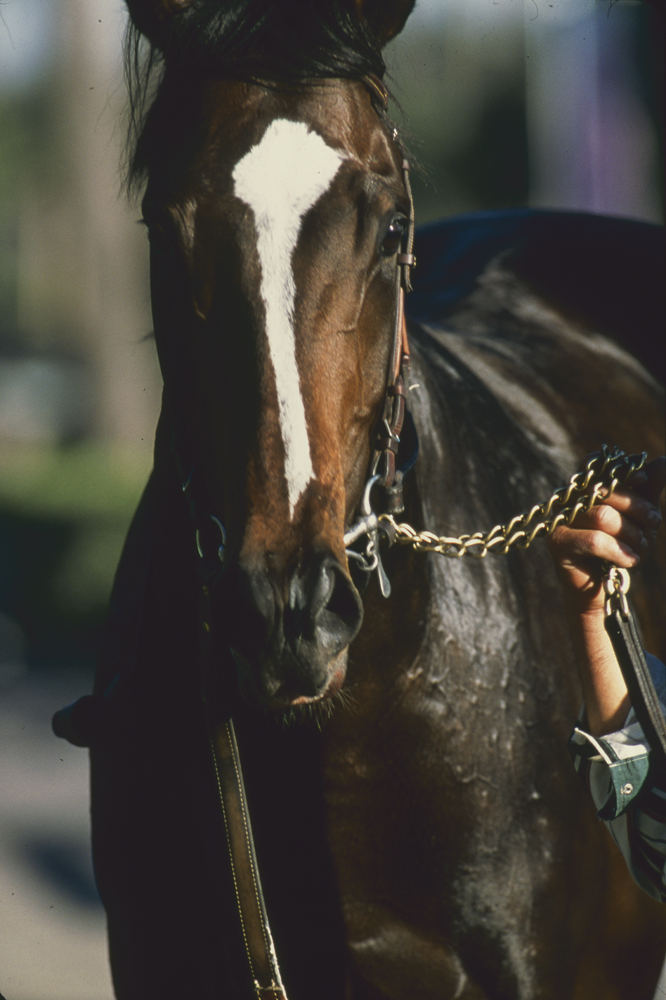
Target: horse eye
[393,239]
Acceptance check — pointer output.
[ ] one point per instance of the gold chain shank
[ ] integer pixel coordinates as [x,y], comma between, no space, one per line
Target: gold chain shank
[598,480]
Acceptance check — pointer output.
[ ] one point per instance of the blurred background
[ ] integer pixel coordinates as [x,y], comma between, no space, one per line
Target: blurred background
[506,102]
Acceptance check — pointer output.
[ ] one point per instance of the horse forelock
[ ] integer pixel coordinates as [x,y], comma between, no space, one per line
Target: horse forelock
[290,42]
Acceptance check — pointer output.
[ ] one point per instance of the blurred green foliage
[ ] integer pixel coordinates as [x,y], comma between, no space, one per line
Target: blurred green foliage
[85,483]
[64,514]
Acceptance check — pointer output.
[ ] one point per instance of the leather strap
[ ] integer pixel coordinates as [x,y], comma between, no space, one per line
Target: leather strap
[388,433]
[377,90]
[249,897]
[621,629]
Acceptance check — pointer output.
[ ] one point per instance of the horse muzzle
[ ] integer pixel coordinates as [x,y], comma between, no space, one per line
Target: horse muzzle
[289,634]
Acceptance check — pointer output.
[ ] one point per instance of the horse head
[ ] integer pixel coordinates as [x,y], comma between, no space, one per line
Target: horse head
[276,207]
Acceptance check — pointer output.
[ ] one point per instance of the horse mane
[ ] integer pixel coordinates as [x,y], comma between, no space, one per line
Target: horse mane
[285,41]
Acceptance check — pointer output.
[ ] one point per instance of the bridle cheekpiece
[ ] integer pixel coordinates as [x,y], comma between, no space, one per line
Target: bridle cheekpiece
[384,471]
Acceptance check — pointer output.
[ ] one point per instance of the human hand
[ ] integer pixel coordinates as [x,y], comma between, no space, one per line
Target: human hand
[620,530]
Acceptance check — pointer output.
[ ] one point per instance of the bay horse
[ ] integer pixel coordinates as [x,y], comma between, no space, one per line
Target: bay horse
[419,828]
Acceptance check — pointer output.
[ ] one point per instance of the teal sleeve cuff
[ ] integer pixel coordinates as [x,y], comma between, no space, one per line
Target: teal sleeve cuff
[628,778]
[616,767]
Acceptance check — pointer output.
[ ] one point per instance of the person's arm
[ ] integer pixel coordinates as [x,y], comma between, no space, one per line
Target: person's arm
[620,530]
[608,747]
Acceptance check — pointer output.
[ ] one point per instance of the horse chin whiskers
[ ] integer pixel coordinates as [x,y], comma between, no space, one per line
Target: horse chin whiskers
[297,695]
[317,712]
[318,708]
[345,698]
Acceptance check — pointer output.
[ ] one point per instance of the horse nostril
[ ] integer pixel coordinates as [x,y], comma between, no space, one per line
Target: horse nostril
[324,607]
[336,609]
[324,585]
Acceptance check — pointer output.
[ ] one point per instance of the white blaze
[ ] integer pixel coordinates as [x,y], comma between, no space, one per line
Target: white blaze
[280,179]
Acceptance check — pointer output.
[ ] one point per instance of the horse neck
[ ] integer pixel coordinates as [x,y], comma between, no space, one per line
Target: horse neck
[477,467]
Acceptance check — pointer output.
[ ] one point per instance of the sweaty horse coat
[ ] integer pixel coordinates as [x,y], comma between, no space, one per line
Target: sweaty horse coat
[429,839]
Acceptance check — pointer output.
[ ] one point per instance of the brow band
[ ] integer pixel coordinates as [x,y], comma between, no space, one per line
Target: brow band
[376,89]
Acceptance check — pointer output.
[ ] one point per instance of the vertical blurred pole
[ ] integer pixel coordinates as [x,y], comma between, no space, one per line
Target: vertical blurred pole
[561,92]
[84,280]
[592,146]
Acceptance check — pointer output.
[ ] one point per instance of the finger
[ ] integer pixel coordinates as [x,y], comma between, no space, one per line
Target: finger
[607,519]
[632,506]
[571,545]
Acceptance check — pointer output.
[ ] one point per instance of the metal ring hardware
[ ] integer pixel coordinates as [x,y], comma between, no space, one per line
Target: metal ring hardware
[616,586]
[223,536]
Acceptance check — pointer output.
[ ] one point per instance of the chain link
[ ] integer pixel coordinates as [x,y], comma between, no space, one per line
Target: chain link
[616,587]
[599,479]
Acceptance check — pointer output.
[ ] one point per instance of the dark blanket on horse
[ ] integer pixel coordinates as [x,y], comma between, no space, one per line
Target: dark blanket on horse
[606,272]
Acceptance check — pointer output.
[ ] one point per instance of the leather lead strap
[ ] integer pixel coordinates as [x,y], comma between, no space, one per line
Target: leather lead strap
[623,634]
[247,884]
[621,629]
[259,947]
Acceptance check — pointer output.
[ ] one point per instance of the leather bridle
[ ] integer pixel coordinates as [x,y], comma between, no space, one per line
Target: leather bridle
[384,472]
